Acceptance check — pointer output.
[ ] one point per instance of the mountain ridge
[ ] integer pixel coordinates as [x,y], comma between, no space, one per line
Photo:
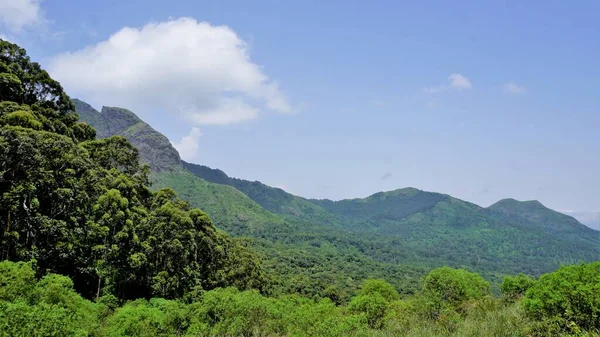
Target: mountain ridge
[406,230]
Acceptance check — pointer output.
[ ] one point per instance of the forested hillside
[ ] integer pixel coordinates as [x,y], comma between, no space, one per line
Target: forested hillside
[401,232]
[431,229]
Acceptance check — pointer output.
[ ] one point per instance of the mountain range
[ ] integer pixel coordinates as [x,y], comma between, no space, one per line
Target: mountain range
[331,245]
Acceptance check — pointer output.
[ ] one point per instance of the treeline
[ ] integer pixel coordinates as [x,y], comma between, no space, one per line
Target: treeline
[452,302]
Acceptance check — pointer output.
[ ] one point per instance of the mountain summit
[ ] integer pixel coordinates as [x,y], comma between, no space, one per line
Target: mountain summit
[155,149]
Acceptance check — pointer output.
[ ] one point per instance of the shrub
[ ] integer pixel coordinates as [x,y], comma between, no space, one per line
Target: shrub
[514,287]
[448,288]
[568,297]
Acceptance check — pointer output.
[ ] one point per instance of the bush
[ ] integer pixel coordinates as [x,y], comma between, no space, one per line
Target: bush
[568,298]
[448,288]
[381,287]
[514,287]
[374,307]
[141,318]
[49,307]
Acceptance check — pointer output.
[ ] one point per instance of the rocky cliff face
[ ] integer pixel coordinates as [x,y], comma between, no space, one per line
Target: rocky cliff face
[155,149]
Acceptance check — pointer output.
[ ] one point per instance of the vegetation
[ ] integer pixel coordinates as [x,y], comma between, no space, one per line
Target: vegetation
[50,307]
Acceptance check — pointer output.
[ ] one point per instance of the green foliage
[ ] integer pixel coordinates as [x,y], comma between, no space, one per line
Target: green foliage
[48,307]
[449,289]
[568,299]
[381,287]
[141,318]
[374,307]
[373,301]
[514,287]
[29,83]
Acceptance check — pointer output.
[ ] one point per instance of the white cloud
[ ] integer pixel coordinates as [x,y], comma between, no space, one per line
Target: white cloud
[459,82]
[512,88]
[200,71]
[188,145]
[19,14]
[456,82]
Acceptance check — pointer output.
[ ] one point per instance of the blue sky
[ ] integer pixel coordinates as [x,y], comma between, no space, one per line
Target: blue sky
[482,100]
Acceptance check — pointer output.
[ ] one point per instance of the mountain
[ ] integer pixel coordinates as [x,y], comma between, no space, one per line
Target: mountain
[155,149]
[296,251]
[397,235]
[534,211]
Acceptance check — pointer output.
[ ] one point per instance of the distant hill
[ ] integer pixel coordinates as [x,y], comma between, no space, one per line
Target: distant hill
[534,211]
[437,228]
[396,235]
[273,199]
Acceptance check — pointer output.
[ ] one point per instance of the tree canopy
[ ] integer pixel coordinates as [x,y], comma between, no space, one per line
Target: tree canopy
[82,207]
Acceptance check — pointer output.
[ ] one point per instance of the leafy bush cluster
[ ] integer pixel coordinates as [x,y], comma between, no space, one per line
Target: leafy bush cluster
[50,307]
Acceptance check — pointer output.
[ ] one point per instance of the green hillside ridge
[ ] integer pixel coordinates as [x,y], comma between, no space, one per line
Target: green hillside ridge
[273,199]
[534,210]
[232,210]
[436,228]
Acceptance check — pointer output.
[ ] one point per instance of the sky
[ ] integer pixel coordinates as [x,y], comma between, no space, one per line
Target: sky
[482,100]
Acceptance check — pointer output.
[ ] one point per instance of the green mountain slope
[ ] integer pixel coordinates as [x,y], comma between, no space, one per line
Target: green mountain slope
[231,209]
[438,227]
[296,251]
[435,228]
[388,234]
[534,211]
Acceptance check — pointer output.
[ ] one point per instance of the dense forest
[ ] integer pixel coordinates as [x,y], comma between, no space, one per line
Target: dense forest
[90,248]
